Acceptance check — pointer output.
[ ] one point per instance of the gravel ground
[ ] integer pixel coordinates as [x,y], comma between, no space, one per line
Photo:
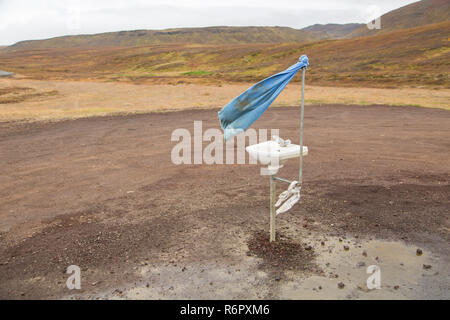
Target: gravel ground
[103,194]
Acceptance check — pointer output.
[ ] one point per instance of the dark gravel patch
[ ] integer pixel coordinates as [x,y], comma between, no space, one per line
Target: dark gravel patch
[282,254]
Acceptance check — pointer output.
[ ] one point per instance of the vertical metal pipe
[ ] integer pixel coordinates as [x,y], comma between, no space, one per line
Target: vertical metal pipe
[300,169]
[272,208]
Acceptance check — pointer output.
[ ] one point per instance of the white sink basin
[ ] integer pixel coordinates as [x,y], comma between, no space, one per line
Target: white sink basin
[270,152]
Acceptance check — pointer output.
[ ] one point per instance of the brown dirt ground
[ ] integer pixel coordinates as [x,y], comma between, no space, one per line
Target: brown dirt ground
[103,194]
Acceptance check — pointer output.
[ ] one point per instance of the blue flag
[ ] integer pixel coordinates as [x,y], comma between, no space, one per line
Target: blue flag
[245,109]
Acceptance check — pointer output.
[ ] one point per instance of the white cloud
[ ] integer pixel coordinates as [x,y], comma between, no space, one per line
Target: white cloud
[28,19]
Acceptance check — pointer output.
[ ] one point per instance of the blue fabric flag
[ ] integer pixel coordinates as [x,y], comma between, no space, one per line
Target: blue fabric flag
[245,109]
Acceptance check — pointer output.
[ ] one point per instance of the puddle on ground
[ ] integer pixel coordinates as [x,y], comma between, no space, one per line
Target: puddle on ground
[402,272]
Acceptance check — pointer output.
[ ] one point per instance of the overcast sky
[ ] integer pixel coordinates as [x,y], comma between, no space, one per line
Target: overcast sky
[40,19]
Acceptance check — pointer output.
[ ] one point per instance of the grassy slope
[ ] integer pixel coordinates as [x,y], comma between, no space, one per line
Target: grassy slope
[413,57]
[210,35]
[334,30]
[413,15]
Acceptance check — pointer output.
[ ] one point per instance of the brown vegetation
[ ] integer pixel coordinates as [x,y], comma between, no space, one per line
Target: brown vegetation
[20,94]
[412,57]
[416,14]
[208,35]
[78,99]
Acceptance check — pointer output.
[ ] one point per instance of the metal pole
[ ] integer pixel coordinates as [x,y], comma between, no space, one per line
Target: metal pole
[300,169]
[272,208]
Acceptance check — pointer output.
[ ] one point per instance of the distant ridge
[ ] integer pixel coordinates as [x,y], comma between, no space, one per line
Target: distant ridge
[410,16]
[334,30]
[417,14]
[207,35]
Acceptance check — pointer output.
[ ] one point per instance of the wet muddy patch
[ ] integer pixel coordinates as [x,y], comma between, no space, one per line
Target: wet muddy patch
[282,255]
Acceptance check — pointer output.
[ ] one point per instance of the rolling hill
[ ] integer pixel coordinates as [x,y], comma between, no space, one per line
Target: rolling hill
[409,50]
[412,57]
[208,35]
[334,30]
[413,15]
